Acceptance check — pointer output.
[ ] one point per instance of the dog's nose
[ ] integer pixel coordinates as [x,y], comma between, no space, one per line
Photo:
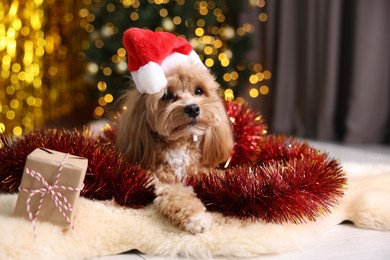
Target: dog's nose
[192,110]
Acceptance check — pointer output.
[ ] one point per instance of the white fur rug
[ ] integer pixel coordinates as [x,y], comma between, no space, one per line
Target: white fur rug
[103,228]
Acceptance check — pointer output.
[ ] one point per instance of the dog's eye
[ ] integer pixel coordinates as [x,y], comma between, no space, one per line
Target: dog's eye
[198,91]
[167,96]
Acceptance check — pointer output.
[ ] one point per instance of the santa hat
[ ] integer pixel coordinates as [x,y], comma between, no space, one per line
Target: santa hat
[152,54]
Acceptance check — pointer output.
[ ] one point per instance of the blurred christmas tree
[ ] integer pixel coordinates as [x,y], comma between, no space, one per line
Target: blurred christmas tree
[210,26]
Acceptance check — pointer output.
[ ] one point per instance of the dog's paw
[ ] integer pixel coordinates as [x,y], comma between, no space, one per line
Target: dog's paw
[198,223]
[161,190]
[181,206]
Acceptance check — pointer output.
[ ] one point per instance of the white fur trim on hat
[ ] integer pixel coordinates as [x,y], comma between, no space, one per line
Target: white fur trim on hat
[177,59]
[151,79]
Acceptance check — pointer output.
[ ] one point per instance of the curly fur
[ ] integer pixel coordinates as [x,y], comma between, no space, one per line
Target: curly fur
[155,131]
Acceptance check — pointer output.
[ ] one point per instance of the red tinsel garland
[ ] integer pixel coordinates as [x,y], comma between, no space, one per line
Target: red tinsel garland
[106,167]
[273,178]
[299,184]
[249,130]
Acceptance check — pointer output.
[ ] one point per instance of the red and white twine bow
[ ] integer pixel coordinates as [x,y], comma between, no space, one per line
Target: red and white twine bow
[60,201]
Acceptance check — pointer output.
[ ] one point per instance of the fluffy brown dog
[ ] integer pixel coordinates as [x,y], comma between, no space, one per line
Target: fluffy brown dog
[183,129]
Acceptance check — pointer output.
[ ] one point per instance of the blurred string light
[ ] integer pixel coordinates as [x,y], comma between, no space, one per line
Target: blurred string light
[40,74]
[207,25]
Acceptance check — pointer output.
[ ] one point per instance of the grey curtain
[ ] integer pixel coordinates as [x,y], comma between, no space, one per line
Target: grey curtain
[330,61]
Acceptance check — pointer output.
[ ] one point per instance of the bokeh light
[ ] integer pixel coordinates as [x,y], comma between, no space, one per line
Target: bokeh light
[40,77]
[58,55]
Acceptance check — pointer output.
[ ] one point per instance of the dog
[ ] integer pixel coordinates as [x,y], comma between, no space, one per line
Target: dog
[183,129]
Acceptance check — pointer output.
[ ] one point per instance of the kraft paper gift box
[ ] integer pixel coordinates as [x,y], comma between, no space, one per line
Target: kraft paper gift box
[47,163]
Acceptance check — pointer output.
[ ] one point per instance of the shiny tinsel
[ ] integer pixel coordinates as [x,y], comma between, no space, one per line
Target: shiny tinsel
[249,130]
[299,184]
[106,167]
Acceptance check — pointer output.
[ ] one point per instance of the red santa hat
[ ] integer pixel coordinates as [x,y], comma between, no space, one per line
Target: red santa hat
[152,54]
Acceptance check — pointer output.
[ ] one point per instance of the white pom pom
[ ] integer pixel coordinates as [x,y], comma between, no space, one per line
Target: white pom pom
[150,78]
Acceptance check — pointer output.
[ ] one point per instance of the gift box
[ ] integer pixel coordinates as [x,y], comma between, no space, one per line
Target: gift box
[50,187]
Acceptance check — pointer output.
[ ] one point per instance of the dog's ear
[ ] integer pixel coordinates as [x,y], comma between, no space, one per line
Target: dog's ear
[134,138]
[218,140]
